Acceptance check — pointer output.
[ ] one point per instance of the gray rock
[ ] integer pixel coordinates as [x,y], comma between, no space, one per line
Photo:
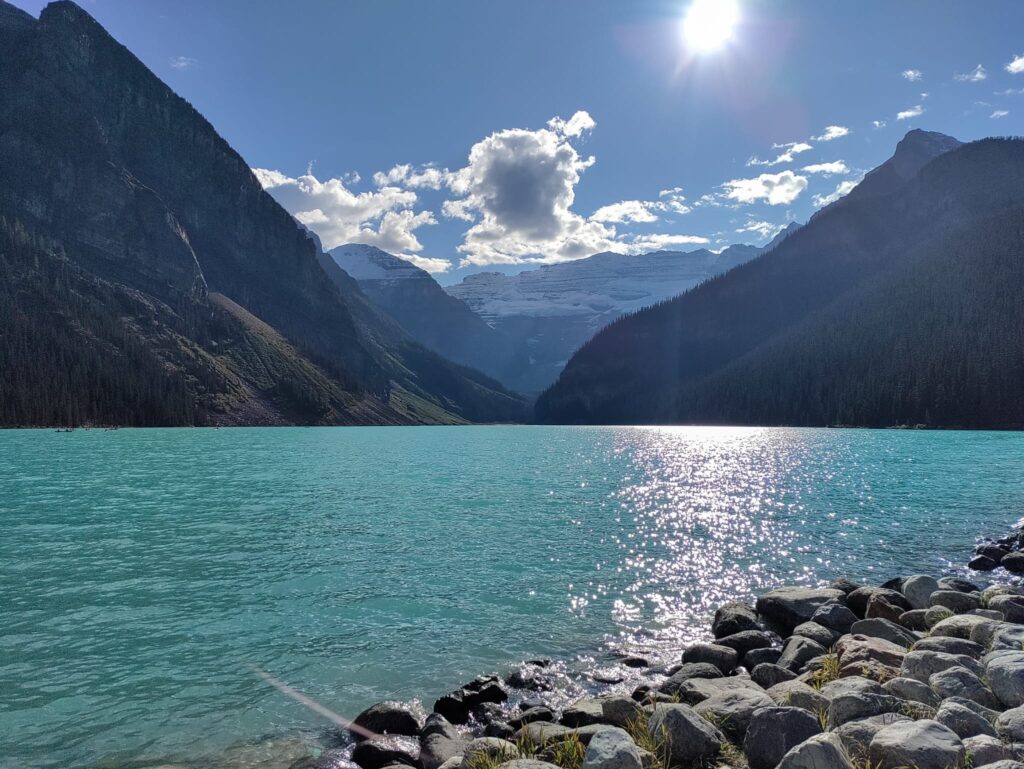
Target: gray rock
[852,706]
[1011,607]
[499,729]
[961,682]
[912,690]
[798,651]
[746,641]
[528,763]
[766,675]
[922,744]
[817,633]
[773,732]
[992,591]
[492,747]
[732,711]
[439,742]
[388,718]
[699,689]
[981,563]
[949,645]
[849,685]
[935,614]
[857,735]
[865,649]
[797,694]
[823,751]
[1007,764]
[621,711]
[959,625]
[987,713]
[844,585]
[756,657]
[858,599]
[884,629]
[1001,635]
[1010,725]
[691,670]
[882,608]
[789,606]
[922,665]
[612,749]
[955,601]
[734,618]
[538,713]
[1005,673]
[958,583]
[918,589]
[379,752]
[540,732]
[963,721]
[985,750]
[835,617]
[583,713]
[690,737]
[915,619]
[722,657]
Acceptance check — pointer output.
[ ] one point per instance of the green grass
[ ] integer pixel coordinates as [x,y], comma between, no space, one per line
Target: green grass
[657,745]
[828,672]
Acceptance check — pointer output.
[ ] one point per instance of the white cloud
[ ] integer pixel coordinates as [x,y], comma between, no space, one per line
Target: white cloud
[639,244]
[427,263]
[1010,92]
[183,62]
[912,112]
[574,126]
[976,75]
[828,169]
[832,132]
[625,211]
[913,75]
[879,123]
[405,175]
[842,190]
[999,113]
[671,191]
[791,150]
[383,218]
[1016,65]
[763,230]
[776,189]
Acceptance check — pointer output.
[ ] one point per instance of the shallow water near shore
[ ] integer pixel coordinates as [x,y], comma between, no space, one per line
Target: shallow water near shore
[143,573]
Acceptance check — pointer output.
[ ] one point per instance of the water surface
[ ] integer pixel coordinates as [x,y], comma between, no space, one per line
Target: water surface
[142,572]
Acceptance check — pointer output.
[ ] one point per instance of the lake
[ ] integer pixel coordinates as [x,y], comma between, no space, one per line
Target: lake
[146,574]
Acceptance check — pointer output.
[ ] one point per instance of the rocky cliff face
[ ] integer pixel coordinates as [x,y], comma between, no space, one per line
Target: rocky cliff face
[138,191]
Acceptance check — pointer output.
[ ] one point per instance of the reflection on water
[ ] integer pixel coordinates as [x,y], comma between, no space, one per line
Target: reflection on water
[143,572]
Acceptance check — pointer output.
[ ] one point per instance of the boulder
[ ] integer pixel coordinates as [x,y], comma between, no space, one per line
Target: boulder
[536,713]
[860,648]
[963,721]
[492,747]
[499,729]
[912,690]
[922,744]
[852,706]
[955,601]
[859,598]
[915,619]
[699,689]
[457,706]
[1007,764]
[1011,607]
[387,718]
[949,645]
[378,752]
[732,711]
[1005,673]
[798,651]
[844,585]
[797,694]
[687,672]
[876,671]
[961,682]
[734,618]
[756,657]
[851,684]
[621,711]
[958,583]
[1010,725]
[835,617]
[530,678]
[528,763]
[992,550]
[987,713]
[541,732]
[439,742]
[857,735]
[789,606]
[1000,635]
[985,750]
[959,625]
[612,749]
[775,731]
[689,736]
[981,563]
[766,675]
[882,608]
[746,641]
[722,657]
[918,589]
[884,629]
[823,751]
[817,633]
[992,591]
[583,713]
[922,665]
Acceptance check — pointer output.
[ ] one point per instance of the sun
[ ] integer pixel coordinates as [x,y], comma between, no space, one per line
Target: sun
[709,24]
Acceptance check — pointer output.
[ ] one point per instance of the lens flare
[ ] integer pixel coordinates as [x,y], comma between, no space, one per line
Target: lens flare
[709,24]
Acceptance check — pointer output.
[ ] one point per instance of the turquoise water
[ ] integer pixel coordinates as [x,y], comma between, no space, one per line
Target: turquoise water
[144,572]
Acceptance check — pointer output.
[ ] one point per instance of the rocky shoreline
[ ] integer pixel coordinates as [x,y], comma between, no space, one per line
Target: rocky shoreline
[918,672]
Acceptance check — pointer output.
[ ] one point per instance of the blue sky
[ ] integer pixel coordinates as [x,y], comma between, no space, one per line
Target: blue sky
[592,125]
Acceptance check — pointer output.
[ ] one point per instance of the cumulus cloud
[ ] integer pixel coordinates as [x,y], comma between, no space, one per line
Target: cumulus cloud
[913,75]
[999,113]
[428,263]
[828,169]
[1016,65]
[670,192]
[763,230]
[976,75]
[183,62]
[639,244]
[912,112]
[790,151]
[382,218]
[842,190]
[626,211]
[879,123]
[775,189]
[404,175]
[832,132]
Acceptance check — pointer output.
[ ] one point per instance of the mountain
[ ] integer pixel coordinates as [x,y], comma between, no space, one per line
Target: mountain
[432,317]
[149,280]
[916,150]
[901,307]
[551,311]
